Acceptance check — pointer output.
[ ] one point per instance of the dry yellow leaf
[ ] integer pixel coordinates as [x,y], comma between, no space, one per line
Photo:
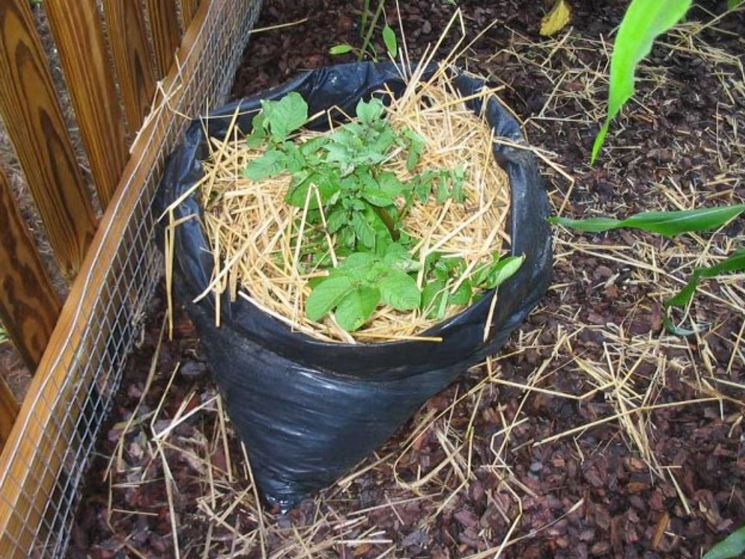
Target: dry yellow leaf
[555,20]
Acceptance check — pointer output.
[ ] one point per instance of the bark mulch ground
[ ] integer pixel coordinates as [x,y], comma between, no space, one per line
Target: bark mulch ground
[594,433]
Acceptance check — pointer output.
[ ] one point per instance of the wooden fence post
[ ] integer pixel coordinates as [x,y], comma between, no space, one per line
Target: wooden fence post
[8,411]
[34,121]
[188,9]
[29,306]
[126,26]
[79,37]
[165,32]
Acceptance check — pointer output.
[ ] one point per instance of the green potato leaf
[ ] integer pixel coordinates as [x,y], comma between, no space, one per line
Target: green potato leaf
[390,184]
[272,163]
[397,257]
[462,295]
[664,223]
[363,230]
[356,307]
[358,260]
[415,146]
[368,112]
[433,294]
[257,137]
[326,295]
[643,22]
[336,220]
[285,116]
[497,273]
[376,195]
[399,290]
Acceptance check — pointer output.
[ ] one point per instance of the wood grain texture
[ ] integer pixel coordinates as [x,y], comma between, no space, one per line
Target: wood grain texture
[126,25]
[188,9]
[78,34]
[165,33]
[33,118]
[29,306]
[32,457]
[8,411]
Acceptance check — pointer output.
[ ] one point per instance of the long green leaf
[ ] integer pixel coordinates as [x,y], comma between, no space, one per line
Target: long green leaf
[734,263]
[643,22]
[730,547]
[668,224]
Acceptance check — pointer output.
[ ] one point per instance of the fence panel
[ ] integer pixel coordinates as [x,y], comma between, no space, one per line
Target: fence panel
[42,464]
[126,26]
[79,38]
[33,118]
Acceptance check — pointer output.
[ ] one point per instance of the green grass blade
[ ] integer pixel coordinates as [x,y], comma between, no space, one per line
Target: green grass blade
[668,224]
[730,547]
[643,22]
[732,4]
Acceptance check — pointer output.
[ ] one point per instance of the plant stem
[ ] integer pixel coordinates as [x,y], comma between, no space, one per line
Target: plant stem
[371,29]
[363,21]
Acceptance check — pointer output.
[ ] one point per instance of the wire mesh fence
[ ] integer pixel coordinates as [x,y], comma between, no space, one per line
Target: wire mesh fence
[42,469]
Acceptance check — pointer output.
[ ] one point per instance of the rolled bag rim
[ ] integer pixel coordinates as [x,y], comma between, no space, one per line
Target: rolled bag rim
[392,360]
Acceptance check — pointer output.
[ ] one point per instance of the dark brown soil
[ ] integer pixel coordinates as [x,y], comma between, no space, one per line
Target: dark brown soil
[590,494]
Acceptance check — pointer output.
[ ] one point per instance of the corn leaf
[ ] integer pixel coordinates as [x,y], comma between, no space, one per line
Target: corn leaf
[734,263]
[668,224]
[730,547]
[643,22]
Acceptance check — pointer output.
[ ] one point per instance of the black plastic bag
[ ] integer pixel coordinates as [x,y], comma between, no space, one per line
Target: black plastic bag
[308,410]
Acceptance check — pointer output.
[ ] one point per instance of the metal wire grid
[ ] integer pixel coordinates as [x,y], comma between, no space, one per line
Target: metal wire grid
[83,400]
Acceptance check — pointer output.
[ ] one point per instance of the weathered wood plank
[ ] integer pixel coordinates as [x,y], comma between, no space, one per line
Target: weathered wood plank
[188,9]
[79,38]
[126,26]
[8,411]
[33,118]
[165,32]
[29,306]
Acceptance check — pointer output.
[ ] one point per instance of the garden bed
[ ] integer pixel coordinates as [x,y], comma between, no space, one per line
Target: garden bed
[593,433]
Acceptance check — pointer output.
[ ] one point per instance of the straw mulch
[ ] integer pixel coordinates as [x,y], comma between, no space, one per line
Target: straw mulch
[254,233]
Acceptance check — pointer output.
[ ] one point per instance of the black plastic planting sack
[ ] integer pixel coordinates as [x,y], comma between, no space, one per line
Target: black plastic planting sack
[309,410]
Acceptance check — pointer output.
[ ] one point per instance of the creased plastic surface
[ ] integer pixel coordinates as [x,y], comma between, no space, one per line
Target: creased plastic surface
[307,410]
